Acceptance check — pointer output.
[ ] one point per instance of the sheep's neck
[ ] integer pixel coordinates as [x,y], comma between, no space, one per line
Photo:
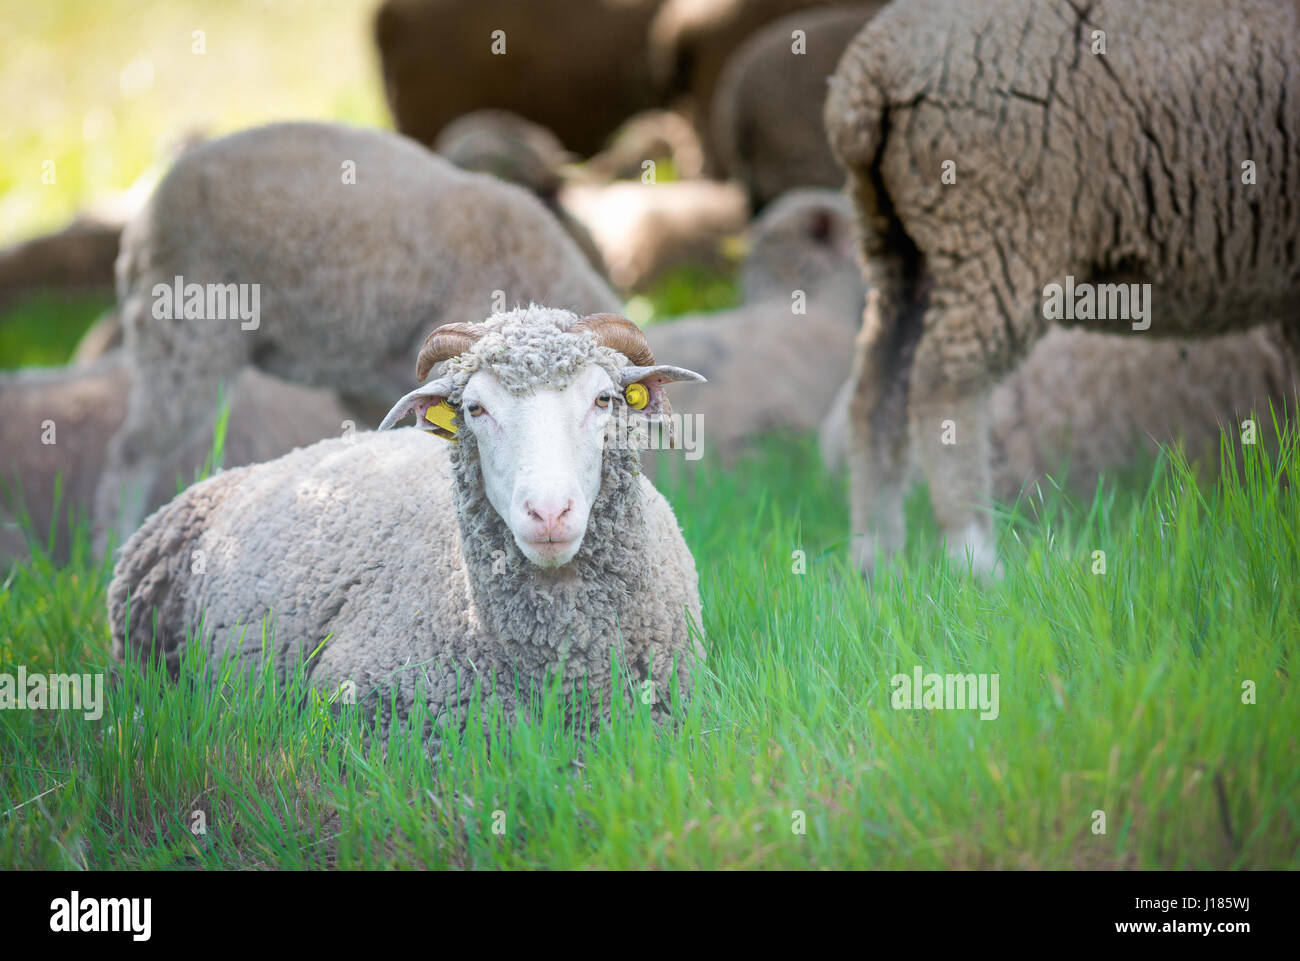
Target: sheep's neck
[570,614]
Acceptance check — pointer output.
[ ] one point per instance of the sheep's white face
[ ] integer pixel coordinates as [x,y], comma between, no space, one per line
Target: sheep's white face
[541,457]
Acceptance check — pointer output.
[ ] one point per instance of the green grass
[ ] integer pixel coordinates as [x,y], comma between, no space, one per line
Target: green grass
[43,330]
[1120,692]
[685,289]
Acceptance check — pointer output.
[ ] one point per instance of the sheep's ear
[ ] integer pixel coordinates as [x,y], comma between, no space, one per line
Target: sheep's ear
[643,388]
[650,399]
[432,397]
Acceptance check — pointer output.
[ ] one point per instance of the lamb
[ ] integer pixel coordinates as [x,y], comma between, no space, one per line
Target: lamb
[1132,395]
[58,421]
[341,245]
[774,362]
[766,111]
[531,548]
[1167,160]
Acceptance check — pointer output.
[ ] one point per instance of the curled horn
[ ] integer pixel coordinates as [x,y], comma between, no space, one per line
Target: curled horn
[620,334]
[447,341]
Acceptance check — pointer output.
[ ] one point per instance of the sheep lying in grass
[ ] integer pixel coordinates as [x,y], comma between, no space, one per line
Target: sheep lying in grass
[1134,394]
[532,546]
[997,149]
[342,245]
[774,362]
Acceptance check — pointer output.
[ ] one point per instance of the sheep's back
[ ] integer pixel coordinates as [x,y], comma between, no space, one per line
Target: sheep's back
[359,240]
[1119,167]
[302,548]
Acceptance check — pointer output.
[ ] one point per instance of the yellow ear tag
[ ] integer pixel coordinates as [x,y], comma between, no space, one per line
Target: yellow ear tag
[444,416]
[637,396]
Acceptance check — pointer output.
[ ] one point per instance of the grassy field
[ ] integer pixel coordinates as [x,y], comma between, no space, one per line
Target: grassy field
[1120,693]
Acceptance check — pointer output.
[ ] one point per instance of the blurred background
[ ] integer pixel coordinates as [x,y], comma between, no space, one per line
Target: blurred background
[109,91]
[105,89]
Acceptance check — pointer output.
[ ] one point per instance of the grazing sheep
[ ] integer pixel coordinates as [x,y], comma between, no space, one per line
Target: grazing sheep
[1169,160]
[769,367]
[531,547]
[1131,395]
[58,421]
[578,67]
[766,114]
[507,146]
[342,245]
[643,230]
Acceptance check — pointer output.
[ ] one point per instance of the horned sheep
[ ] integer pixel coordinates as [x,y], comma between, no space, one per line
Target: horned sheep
[531,548]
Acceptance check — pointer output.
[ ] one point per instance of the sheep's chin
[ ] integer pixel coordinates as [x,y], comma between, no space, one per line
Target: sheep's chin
[549,554]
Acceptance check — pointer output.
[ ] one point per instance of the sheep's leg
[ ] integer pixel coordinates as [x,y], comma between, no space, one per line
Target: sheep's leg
[950,430]
[877,440]
[177,369]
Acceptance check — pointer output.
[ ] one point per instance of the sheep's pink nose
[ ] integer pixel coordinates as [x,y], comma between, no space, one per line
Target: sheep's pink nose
[549,516]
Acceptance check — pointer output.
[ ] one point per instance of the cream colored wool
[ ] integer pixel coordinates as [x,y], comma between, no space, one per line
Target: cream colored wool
[388,546]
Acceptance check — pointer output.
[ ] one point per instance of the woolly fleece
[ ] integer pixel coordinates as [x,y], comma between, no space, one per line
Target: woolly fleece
[387,544]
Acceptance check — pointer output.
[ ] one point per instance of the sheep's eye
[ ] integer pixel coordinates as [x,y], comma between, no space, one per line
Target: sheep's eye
[603,400]
[474,409]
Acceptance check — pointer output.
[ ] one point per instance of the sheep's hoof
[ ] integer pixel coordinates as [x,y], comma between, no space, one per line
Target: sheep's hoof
[869,555]
[975,549]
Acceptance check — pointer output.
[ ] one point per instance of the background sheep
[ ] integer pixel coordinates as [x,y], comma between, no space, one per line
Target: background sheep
[507,146]
[766,114]
[86,406]
[578,67]
[77,258]
[690,41]
[1131,395]
[649,135]
[769,367]
[1067,163]
[518,151]
[349,274]
[642,230]
[530,546]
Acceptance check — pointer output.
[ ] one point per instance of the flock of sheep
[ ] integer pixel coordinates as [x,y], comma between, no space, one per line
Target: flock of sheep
[923,173]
